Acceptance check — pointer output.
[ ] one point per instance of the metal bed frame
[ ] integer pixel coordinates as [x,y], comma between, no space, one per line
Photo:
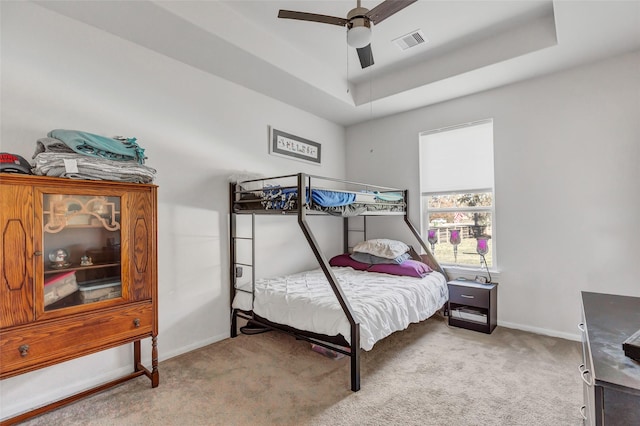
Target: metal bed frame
[301,211]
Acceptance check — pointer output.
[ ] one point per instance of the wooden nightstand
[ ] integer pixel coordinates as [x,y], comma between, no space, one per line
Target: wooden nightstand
[473,305]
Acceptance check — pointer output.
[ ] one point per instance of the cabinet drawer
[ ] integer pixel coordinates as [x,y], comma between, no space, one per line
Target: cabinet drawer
[469,296]
[39,345]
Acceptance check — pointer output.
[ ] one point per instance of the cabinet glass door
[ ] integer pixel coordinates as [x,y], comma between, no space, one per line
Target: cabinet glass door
[81,241]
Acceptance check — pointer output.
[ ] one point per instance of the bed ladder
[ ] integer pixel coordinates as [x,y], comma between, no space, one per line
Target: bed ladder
[236,270]
[235,266]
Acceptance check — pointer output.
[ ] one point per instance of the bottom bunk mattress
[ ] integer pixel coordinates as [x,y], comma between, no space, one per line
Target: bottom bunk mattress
[381,303]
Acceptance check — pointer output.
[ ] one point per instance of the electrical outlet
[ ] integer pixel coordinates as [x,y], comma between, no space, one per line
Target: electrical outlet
[238,271]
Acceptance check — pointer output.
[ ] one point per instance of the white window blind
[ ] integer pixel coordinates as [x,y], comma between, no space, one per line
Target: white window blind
[456,159]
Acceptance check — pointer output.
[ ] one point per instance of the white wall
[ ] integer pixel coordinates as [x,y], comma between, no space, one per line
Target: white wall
[567,168]
[197,130]
[566,162]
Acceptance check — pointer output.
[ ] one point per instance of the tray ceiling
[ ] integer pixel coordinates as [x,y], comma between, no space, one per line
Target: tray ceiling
[470,46]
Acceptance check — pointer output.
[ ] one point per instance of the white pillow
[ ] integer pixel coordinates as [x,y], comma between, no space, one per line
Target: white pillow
[389,249]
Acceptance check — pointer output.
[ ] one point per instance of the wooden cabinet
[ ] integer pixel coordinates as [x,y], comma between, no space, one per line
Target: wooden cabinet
[473,305]
[611,380]
[78,273]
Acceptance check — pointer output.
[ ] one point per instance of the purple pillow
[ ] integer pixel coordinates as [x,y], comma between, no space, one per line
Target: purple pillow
[346,260]
[408,268]
[373,259]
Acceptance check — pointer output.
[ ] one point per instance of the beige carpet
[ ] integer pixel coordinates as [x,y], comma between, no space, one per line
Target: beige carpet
[430,374]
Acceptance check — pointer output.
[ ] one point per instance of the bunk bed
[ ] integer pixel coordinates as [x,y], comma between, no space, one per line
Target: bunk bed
[328,306]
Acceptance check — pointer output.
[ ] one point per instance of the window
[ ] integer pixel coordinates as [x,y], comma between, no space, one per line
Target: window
[456,180]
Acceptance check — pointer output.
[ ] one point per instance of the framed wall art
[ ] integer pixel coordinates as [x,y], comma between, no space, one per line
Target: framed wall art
[294,147]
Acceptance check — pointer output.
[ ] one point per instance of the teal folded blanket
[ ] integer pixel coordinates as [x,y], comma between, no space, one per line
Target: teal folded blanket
[389,196]
[117,149]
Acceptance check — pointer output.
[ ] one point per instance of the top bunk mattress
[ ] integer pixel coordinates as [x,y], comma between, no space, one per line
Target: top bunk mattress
[382,303]
[277,197]
[331,201]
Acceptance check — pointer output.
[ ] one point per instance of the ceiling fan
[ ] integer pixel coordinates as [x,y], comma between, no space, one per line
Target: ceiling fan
[358,23]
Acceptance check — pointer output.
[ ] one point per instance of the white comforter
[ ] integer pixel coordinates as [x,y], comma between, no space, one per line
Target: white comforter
[381,303]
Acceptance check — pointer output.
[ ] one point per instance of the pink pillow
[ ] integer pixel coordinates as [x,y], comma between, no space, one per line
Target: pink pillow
[408,268]
[346,260]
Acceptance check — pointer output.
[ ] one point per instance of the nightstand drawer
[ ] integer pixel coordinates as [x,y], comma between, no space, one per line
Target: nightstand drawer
[468,295]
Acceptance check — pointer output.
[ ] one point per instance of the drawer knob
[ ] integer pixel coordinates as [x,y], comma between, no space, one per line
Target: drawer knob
[24,350]
[136,322]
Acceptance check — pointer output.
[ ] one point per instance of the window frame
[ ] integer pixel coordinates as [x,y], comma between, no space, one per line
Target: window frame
[425,213]
[487,187]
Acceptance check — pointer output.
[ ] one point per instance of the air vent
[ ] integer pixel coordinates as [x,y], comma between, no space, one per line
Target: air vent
[410,40]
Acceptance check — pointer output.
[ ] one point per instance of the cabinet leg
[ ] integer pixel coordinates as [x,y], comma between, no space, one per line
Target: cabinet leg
[136,356]
[155,375]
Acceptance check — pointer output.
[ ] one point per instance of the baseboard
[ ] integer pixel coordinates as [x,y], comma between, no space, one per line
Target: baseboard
[75,387]
[192,347]
[543,331]
[61,392]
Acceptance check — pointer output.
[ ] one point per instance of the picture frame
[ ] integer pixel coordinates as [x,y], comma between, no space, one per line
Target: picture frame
[286,145]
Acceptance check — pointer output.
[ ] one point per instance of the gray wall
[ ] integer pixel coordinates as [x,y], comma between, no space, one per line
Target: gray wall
[567,168]
[197,131]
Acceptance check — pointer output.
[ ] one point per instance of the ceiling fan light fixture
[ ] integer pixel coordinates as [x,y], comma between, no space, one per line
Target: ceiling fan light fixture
[358,23]
[359,37]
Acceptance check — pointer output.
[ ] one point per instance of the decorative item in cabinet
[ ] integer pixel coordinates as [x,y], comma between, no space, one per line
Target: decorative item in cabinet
[59,258]
[97,291]
[58,286]
[75,224]
[69,210]
[102,289]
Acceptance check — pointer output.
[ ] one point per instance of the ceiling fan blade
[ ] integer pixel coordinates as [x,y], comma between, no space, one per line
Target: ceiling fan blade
[386,9]
[304,16]
[366,56]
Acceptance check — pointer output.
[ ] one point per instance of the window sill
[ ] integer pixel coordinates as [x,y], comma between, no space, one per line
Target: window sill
[470,273]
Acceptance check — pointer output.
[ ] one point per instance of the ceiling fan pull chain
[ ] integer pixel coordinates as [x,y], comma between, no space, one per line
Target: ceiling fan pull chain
[347,58]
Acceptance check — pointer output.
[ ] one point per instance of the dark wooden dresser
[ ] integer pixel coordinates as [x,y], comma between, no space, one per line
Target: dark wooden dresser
[611,379]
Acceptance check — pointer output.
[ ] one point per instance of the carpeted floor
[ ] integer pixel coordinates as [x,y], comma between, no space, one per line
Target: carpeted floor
[429,374]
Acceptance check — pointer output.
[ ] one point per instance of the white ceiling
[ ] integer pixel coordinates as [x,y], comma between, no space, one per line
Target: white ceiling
[473,45]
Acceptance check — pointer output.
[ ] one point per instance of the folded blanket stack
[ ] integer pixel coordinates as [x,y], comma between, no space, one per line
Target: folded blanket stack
[56,164]
[82,155]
